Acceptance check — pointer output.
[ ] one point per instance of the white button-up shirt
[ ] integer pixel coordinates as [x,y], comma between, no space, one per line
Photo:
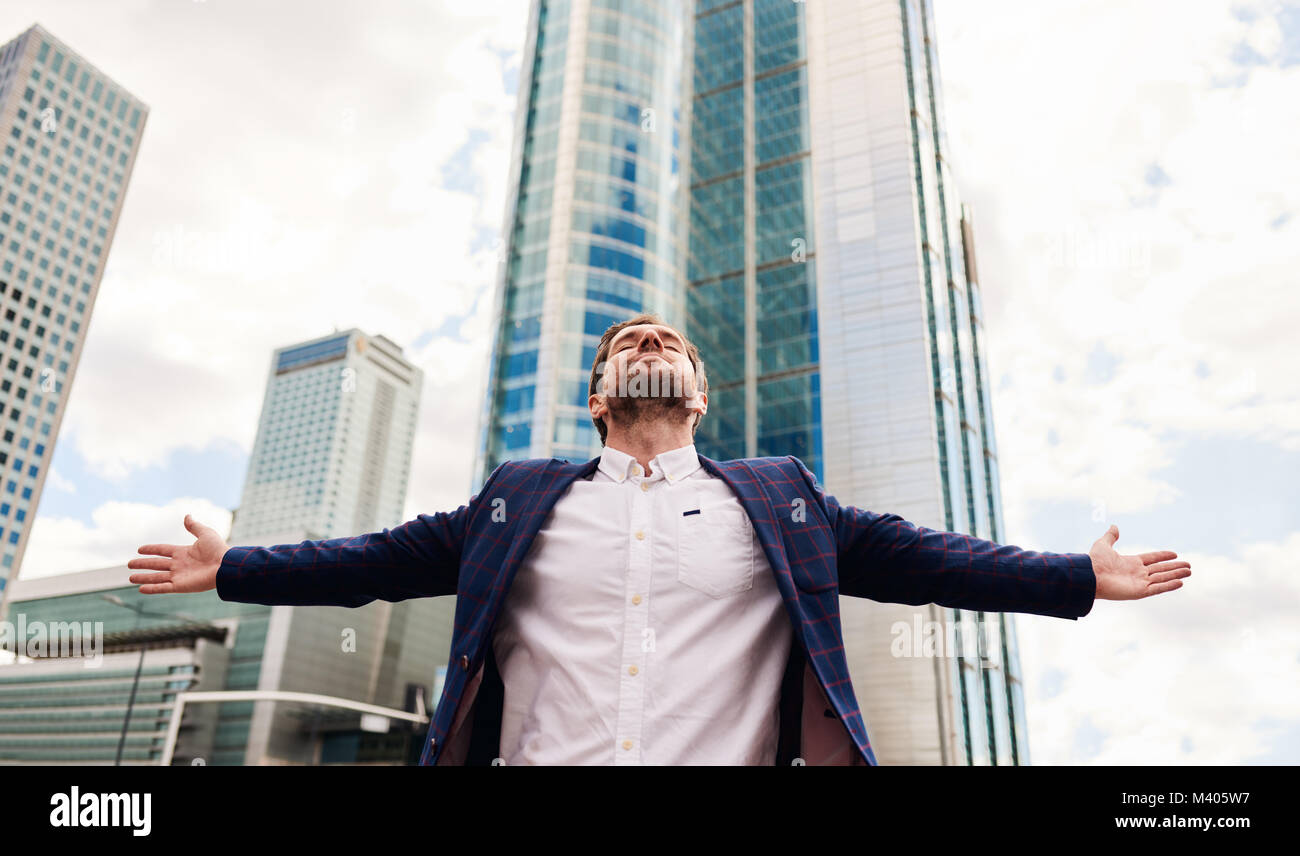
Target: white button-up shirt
[644,626]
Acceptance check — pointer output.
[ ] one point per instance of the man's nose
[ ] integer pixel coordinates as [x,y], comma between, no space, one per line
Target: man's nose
[650,341]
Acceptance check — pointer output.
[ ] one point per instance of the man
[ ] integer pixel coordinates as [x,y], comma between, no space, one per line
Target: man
[653,606]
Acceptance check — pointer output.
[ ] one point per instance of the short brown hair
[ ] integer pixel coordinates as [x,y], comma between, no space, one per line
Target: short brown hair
[602,355]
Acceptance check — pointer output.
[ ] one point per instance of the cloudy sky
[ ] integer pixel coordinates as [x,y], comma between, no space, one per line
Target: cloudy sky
[1135,189]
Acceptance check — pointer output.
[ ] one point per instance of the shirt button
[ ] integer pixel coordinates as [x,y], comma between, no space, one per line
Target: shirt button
[464,662]
[636,470]
[636,598]
[631,670]
[640,536]
[645,486]
[627,744]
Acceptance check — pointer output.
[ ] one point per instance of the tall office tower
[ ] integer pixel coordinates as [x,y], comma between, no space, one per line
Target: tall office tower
[905,410]
[773,177]
[333,448]
[70,136]
[331,460]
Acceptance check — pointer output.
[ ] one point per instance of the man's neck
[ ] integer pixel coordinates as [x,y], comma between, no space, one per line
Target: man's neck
[645,441]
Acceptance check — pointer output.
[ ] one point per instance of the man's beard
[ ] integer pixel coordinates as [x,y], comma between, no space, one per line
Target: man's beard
[648,398]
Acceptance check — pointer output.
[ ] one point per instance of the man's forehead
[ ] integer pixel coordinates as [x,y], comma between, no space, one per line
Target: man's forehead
[641,328]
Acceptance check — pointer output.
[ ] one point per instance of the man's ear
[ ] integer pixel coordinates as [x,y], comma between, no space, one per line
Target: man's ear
[698,403]
[598,405]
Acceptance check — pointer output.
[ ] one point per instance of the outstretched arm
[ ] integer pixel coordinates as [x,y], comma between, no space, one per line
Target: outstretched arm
[886,558]
[420,558]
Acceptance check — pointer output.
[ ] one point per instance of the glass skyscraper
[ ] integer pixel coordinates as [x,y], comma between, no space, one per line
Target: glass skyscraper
[773,177]
[68,140]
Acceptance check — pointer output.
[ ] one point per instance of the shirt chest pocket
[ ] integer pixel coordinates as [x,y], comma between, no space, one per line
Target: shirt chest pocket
[715,551]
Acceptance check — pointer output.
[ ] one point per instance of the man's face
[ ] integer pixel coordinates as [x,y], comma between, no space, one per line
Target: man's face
[647,371]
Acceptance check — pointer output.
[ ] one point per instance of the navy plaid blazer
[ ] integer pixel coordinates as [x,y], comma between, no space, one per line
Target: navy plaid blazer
[817,548]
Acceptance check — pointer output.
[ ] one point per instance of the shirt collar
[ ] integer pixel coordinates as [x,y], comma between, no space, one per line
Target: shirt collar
[675,465]
[615,464]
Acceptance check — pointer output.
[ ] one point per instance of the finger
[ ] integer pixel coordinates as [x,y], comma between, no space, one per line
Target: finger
[159,549]
[1161,567]
[1111,535]
[1161,588]
[1157,556]
[1170,575]
[157,588]
[150,578]
[150,564]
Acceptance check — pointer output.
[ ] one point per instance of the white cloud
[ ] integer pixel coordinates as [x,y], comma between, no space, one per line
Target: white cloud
[116,531]
[447,438]
[55,481]
[1203,663]
[279,197]
[1052,143]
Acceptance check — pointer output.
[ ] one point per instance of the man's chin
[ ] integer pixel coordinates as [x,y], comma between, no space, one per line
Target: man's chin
[634,408]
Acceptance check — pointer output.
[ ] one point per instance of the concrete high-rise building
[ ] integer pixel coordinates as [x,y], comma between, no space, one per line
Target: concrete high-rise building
[773,177]
[333,448]
[69,135]
[332,460]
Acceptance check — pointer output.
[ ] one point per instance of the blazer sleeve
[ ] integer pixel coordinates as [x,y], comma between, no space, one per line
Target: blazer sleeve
[419,558]
[885,558]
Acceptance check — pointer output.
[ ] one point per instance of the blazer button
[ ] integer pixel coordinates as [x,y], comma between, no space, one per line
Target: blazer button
[464,662]
[433,742]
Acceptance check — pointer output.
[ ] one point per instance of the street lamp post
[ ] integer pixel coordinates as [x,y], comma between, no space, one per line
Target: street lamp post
[139,666]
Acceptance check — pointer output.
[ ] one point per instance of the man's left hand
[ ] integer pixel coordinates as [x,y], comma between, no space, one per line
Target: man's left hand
[1133,577]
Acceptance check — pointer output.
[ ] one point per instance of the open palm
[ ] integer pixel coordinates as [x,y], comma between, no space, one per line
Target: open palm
[183,567]
[1122,577]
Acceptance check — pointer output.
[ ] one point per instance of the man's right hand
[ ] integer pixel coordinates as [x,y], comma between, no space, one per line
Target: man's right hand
[184,568]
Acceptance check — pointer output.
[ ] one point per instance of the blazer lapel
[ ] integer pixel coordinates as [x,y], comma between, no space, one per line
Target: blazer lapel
[526,504]
[808,719]
[537,496]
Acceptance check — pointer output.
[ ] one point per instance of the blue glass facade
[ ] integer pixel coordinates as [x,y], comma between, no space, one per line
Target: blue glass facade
[615,221]
[637,240]
[623,252]
[752,295]
[512,381]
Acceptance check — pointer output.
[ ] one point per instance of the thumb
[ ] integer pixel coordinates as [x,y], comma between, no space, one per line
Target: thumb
[195,527]
[1111,535]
